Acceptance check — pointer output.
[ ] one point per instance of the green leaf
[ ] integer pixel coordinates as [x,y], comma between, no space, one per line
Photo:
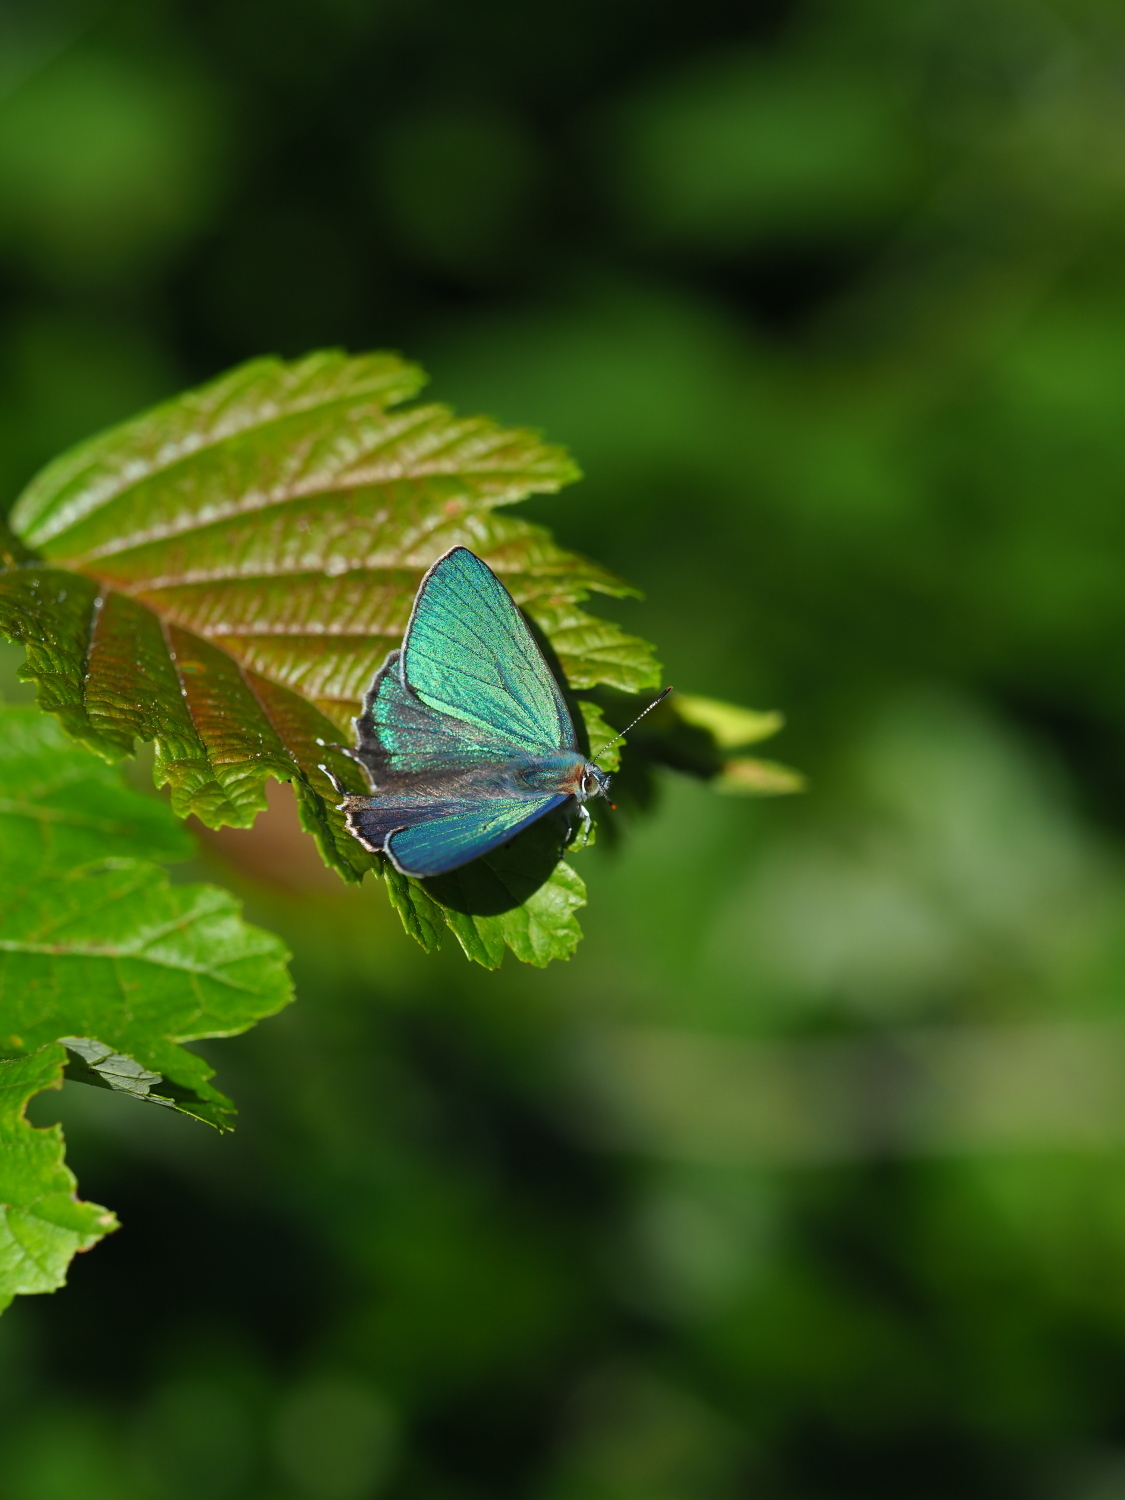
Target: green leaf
[729,725]
[224,575]
[60,806]
[97,949]
[541,928]
[43,1224]
[521,897]
[544,926]
[600,733]
[105,968]
[110,952]
[421,915]
[743,776]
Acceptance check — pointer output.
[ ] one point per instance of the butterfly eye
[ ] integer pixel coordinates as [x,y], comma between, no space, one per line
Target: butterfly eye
[594,782]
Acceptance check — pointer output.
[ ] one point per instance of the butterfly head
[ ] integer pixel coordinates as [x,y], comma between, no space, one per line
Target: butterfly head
[595,782]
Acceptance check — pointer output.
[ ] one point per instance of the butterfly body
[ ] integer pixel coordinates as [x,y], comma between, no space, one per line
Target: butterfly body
[464,735]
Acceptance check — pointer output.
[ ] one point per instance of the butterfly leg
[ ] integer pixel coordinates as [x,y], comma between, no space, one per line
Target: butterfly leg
[584,824]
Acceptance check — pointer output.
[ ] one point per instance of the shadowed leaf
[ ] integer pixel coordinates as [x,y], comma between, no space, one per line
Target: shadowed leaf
[541,927]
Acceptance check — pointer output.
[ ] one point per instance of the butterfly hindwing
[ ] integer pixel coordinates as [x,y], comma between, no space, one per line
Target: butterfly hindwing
[468,653]
[431,837]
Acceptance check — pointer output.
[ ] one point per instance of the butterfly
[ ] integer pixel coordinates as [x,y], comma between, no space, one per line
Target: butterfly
[465,735]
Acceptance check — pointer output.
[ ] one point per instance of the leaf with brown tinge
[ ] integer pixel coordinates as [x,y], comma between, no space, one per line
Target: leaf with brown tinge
[224,575]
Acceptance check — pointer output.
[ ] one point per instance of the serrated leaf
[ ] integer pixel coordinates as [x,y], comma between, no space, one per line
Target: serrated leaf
[96,947]
[225,574]
[601,734]
[544,926]
[420,914]
[522,897]
[593,651]
[540,929]
[106,968]
[110,951]
[43,1224]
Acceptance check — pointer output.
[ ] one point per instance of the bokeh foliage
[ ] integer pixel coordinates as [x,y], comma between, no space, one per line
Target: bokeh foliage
[804,1179]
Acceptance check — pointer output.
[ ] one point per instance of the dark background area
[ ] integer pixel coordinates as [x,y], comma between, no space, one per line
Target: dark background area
[805,1180]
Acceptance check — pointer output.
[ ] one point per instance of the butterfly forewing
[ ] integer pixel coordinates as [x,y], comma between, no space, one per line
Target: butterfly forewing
[468,653]
[402,736]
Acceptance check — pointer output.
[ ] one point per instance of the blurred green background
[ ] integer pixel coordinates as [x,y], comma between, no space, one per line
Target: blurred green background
[805,1180]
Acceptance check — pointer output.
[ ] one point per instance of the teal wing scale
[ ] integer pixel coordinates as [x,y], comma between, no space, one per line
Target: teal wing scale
[400,736]
[431,837]
[468,653]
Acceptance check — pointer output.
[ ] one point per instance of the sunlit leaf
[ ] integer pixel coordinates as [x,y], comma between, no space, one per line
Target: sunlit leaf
[224,575]
[105,968]
[729,725]
[43,1224]
[601,733]
[97,949]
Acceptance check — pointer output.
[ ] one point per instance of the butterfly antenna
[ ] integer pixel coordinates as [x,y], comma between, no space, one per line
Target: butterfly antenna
[636,721]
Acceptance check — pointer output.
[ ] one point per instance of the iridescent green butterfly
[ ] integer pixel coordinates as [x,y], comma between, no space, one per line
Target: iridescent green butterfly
[465,735]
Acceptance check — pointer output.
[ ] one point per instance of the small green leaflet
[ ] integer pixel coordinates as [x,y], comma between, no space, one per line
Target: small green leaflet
[601,734]
[103,965]
[730,727]
[43,1225]
[224,574]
